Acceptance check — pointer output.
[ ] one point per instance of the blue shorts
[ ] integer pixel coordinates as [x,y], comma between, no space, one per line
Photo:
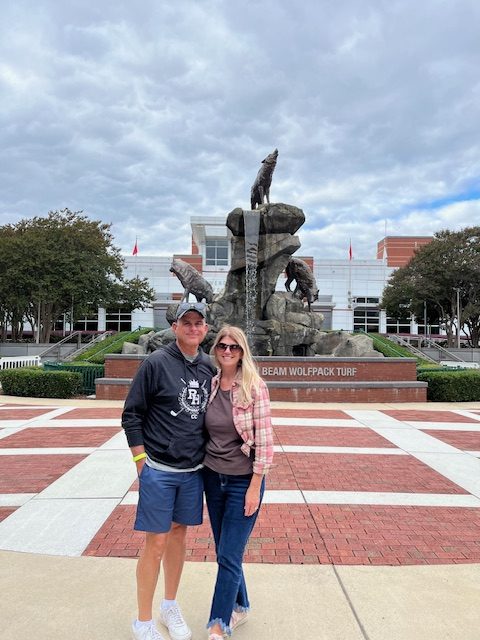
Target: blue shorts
[166,497]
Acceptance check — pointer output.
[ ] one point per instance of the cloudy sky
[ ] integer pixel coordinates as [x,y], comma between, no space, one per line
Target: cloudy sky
[143,113]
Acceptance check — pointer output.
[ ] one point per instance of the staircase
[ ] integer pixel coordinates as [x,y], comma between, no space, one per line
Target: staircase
[413,350]
[53,352]
[87,345]
[446,355]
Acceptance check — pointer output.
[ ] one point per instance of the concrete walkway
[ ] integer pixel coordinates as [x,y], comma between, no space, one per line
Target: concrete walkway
[75,596]
[57,598]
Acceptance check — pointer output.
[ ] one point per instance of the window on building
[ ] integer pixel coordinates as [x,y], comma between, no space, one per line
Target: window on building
[431,329]
[117,319]
[395,325]
[364,300]
[87,323]
[398,326]
[216,252]
[366,319]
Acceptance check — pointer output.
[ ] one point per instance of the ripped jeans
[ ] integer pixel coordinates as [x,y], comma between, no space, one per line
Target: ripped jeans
[225,496]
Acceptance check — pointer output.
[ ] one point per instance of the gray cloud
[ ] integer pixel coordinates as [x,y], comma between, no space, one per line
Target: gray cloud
[143,114]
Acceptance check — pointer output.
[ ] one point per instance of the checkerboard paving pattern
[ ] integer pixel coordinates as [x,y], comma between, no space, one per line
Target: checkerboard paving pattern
[464,440]
[409,415]
[58,437]
[5,512]
[392,487]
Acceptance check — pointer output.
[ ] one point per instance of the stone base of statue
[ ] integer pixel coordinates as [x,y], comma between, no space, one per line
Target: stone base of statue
[299,379]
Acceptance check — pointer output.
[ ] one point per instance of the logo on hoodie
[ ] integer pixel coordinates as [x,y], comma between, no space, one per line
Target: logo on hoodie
[192,398]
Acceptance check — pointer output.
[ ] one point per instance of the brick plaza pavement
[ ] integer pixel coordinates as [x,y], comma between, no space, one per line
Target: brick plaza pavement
[350,486]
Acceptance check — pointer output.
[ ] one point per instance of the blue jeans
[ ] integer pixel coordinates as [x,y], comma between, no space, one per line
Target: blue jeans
[225,495]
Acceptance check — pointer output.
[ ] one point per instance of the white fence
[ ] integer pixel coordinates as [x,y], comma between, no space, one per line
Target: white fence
[14,362]
[455,364]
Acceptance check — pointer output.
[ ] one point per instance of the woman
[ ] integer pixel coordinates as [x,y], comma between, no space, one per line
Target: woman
[239,454]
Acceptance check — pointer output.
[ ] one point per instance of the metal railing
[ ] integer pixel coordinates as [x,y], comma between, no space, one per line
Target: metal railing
[443,351]
[383,344]
[413,350]
[87,345]
[55,348]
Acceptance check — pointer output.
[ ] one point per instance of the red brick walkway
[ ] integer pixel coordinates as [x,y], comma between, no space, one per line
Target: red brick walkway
[308,532]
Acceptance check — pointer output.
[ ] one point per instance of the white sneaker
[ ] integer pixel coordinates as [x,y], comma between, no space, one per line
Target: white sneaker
[177,627]
[146,632]
[238,618]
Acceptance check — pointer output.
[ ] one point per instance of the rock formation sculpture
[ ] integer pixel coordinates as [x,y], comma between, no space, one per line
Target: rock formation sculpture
[282,326]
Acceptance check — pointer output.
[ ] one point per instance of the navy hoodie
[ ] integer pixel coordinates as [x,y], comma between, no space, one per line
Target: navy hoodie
[165,407]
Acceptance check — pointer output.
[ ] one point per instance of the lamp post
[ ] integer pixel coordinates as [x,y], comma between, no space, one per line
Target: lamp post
[457,289]
[38,321]
[425,320]
[71,318]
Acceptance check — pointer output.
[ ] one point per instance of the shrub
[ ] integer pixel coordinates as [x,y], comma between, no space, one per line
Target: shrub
[89,372]
[451,386]
[37,383]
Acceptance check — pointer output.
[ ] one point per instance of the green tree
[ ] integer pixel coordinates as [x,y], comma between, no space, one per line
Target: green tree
[450,262]
[54,264]
[132,294]
[14,299]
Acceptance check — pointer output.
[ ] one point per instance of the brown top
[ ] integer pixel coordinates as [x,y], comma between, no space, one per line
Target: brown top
[223,453]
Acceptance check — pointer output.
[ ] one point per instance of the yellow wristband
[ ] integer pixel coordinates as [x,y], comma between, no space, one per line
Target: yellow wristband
[140,456]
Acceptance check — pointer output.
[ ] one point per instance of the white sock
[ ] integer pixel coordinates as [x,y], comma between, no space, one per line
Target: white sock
[166,604]
[143,623]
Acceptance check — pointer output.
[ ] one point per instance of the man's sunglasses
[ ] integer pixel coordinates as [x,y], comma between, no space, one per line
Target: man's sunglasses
[221,346]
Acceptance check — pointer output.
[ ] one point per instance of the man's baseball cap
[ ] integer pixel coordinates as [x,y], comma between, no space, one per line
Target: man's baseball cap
[185,307]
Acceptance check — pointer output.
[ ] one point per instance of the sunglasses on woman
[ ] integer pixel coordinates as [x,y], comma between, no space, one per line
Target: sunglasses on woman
[221,346]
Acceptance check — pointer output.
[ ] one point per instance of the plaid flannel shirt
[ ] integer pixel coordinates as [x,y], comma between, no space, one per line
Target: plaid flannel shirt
[253,423]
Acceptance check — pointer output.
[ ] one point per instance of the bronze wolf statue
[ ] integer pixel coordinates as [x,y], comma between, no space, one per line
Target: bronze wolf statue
[192,281]
[299,271]
[261,186]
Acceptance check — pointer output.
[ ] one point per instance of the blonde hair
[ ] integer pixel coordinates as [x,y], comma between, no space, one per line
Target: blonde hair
[250,378]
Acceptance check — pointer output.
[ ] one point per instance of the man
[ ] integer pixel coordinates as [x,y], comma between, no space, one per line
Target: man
[163,421]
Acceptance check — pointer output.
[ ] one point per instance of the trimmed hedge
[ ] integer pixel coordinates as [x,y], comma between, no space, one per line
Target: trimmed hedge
[34,382]
[89,372]
[113,344]
[451,386]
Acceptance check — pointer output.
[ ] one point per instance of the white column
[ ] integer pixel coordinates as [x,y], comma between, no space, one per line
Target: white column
[382,320]
[413,326]
[102,319]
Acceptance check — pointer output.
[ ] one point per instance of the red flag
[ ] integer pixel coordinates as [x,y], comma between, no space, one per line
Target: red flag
[135,248]
[350,252]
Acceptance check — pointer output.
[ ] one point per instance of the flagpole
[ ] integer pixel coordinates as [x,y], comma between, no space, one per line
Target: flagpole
[384,267]
[136,255]
[384,256]
[350,305]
